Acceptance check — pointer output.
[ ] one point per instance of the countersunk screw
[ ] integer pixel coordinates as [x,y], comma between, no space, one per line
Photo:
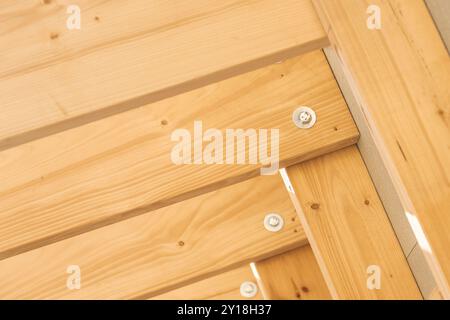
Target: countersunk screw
[273,222]
[248,289]
[304,117]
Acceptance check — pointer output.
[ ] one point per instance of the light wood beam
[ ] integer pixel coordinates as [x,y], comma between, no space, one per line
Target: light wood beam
[348,228]
[224,286]
[130,53]
[400,75]
[294,275]
[120,167]
[161,250]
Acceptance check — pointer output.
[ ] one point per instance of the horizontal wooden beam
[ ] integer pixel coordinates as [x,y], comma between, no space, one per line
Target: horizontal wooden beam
[400,75]
[348,228]
[120,167]
[129,53]
[294,275]
[161,250]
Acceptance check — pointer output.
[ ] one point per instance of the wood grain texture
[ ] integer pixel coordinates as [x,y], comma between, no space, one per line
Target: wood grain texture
[133,52]
[294,275]
[224,286]
[120,167]
[401,78]
[348,229]
[160,250]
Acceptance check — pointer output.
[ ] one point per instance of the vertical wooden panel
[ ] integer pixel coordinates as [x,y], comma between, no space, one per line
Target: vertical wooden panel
[400,75]
[294,275]
[348,229]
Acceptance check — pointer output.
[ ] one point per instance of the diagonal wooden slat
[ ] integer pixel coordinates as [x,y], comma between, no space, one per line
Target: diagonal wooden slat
[224,286]
[120,167]
[348,228]
[160,250]
[400,76]
[131,52]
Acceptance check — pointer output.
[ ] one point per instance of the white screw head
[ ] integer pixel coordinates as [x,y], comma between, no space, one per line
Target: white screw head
[304,117]
[248,289]
[273,222]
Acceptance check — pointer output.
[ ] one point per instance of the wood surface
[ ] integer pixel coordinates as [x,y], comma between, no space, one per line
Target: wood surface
[120,167]
[294,275]
[348,228]
[225,286]
[400,75]
[161,250]
[131,52]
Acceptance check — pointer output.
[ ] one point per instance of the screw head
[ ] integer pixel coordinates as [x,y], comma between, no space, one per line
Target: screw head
[304,117]
[273,222]
[248,289]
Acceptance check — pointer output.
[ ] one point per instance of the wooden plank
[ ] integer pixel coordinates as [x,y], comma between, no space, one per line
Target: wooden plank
[129,53]
[383,183]
[121,166]
[225,286]
[294,275]
[348,229]
[160,250]
[373,160]
[400,75]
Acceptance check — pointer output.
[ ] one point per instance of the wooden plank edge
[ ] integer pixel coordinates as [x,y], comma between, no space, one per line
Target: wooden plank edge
[168,92]
[381,179]
[389,164]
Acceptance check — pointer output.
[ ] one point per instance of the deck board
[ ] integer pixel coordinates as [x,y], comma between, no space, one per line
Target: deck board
[161,250]
[400,76]
[348,229]
[133,52]
[121,167]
